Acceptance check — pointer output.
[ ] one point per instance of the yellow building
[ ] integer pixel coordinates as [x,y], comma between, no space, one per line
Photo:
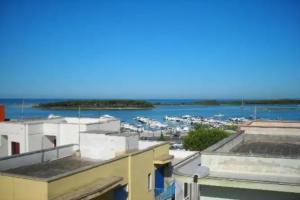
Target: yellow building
[61,173]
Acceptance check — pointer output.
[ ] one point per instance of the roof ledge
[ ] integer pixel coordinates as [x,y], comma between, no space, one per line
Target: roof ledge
[92,190]
[163,159]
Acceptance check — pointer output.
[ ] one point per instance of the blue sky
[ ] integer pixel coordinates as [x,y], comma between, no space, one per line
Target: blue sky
[150,49]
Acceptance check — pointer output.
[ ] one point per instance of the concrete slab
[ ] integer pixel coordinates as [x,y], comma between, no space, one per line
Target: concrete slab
[52,168]
[268,148]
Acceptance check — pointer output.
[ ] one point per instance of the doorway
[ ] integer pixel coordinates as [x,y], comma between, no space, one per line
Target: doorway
[15,148]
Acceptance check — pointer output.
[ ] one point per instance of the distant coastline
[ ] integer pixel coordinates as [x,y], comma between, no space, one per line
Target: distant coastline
[235,102]
[96,105]
[144,104]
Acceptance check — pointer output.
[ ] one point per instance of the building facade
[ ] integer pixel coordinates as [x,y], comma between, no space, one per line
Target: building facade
[62,173]
[81,158]
[261,162]
[23,136]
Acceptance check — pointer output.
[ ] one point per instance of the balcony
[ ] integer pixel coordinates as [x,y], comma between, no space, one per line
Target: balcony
[167,193]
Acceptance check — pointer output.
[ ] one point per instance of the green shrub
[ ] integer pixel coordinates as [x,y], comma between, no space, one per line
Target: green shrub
[202,137]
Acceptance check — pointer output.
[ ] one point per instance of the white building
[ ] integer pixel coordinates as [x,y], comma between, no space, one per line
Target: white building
[30,135]
[261,162]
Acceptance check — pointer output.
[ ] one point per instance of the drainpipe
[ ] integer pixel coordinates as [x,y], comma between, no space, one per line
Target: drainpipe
[200,172]
[195,188]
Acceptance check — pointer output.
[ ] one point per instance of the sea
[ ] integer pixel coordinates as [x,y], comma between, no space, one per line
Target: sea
[22,109]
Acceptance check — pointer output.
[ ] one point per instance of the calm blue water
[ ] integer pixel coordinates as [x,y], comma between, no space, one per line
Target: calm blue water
[282,112]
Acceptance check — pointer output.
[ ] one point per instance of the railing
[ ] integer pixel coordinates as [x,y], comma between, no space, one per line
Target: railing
[168,193]
[187,198]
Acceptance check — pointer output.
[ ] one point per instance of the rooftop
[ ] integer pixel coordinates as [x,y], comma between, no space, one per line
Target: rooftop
[268,148]
[273,124]
[110,133]
[64,120]
[192,166]
[256,158]
[52,168]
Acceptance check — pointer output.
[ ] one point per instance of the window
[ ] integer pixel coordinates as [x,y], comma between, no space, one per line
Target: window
[185,190]
[149,182]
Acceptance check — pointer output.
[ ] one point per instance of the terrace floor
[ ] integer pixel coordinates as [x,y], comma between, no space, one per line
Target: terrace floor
[269,148]
[52,168]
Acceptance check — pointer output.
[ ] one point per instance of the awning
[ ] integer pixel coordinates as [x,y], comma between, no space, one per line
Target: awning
[163,159]
[92,190]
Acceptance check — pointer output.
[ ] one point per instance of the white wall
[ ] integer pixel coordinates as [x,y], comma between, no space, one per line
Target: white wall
[35,128]
[98,146]
[68,134]
[143,144]
[271,131]
[3,145]
[112,125]
[252,165]
[51,128]
[35,142]
[37,157]
[101,146]
[48,141]
[31,135]
[15,133]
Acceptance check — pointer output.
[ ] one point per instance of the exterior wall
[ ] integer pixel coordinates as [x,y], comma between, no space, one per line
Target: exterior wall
[30,135]
[14,133]
[3,145]
[69,134]
[224,193]
[234,141]
[252,165]
[179,192]
[271,131]
[111,126]
[48,141]
[13,188]
[84,120]
[118,167]
[161,150]
[37,157]
[101,146]
[141,164]
[273,138]
[133,168]
[51,128]
[35,142]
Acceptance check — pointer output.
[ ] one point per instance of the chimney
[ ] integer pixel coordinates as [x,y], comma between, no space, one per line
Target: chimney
[2,113]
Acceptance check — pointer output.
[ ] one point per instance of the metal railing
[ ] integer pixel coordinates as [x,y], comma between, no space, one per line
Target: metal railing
[168,193]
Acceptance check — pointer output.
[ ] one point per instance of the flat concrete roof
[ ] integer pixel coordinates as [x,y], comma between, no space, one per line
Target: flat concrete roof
[112,133]
[188,167]
[268,148]
[273,124]
[52,168]
[99,132]
[192,166]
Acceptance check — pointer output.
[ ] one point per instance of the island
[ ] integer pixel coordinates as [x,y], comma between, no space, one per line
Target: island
[96,104]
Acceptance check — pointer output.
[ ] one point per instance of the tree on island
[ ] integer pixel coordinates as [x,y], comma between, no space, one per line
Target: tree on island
[201,137]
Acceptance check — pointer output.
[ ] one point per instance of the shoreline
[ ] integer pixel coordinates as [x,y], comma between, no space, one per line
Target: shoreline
[92,108]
